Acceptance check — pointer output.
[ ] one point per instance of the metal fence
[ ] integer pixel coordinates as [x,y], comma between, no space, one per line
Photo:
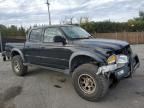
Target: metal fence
[131,37]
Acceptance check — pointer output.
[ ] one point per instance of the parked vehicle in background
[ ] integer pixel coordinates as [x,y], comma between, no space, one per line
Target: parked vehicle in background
[94,64]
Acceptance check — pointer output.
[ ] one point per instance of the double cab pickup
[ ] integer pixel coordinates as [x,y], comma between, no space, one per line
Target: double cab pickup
[94,64]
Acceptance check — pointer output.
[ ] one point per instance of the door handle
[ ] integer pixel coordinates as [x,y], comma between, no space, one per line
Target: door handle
[27,46]
[42,47]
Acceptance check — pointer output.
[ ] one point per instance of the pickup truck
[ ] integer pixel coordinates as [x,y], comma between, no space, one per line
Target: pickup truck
[94,64]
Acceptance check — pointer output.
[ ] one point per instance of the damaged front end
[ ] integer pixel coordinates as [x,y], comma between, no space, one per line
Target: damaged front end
[121,66]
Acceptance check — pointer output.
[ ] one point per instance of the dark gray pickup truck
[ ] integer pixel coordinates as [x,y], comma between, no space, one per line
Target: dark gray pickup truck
[94,64]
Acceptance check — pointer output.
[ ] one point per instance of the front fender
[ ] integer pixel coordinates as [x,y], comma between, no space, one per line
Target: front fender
[95,56]
[19,52]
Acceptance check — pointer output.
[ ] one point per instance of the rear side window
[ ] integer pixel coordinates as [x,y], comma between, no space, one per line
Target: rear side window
[35,35]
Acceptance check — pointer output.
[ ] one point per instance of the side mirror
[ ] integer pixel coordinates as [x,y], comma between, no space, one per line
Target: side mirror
[60,39]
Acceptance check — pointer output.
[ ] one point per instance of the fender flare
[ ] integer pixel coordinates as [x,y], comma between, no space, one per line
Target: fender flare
[86,53]
[19,51]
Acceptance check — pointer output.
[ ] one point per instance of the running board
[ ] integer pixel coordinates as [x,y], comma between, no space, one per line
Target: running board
[66,71]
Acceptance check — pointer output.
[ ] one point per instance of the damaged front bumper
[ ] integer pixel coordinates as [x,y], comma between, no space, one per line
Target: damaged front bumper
[121,70]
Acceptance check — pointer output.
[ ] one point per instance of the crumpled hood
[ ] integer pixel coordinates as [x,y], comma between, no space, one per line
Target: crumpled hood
[102,45]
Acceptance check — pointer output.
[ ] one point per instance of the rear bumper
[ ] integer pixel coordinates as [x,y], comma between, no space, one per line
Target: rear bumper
[121,70]
[4,53]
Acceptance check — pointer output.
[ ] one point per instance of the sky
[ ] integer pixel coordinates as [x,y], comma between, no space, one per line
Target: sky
[30,12]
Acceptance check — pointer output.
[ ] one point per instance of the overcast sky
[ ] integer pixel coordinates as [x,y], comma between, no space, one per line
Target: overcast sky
[29,12]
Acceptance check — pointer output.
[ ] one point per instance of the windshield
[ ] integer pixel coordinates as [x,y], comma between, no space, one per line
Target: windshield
[75,32]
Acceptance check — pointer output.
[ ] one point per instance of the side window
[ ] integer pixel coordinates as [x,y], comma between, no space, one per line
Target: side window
[50,33]
[35,35]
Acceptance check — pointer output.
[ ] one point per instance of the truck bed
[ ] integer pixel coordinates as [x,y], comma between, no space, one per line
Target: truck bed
[10,43]
[14,45]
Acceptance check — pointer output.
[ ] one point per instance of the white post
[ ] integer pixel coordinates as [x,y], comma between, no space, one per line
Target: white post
[49,14]
[116,36]
[137,37]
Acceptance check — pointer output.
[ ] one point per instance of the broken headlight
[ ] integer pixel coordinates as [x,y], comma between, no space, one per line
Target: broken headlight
[112,59]
[119,59]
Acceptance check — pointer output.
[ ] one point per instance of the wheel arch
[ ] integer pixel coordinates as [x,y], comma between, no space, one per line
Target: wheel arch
[15,52]
[86,57]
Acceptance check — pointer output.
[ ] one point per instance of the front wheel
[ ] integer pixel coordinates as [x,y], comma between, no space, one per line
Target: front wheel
[87,84]
[17,66]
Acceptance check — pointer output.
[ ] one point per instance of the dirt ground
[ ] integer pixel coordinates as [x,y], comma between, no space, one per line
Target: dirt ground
[42,88]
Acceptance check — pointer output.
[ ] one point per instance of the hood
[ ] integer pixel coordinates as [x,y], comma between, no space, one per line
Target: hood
[103,45]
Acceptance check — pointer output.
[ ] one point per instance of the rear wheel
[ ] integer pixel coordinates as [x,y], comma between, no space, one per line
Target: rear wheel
[18,67]
[87,84]
[4,58]
[8,58]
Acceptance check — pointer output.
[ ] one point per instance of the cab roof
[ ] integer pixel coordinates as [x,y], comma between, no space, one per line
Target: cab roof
[53,26]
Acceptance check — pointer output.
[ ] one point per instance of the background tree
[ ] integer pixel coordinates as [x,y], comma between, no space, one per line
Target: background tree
[12,31]
[132,25]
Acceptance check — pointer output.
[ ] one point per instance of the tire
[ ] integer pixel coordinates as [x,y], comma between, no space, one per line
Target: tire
[17,66]
[128,75]
[102,84]
[113,84]
[4,58]
[8,58]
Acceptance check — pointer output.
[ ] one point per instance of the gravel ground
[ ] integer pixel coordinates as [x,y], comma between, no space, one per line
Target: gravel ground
[48,89]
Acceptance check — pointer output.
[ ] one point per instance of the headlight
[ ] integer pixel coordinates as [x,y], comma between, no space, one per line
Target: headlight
[112,59]
[122,59]
[119,59]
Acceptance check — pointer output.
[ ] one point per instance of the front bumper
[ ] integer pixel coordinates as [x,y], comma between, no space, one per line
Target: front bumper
[121,70]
